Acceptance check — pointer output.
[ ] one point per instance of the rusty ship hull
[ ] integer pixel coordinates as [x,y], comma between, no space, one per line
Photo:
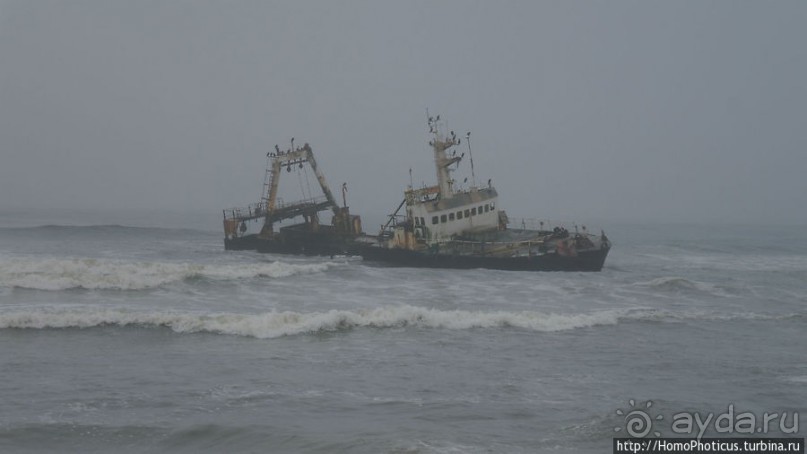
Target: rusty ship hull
[584,261]
[296,240]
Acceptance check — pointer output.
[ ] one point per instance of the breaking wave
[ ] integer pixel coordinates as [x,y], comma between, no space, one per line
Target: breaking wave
[673,283]
[87,273]
[680,284]
[278,324]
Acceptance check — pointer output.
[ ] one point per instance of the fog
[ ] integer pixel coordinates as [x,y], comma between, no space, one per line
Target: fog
[682,111]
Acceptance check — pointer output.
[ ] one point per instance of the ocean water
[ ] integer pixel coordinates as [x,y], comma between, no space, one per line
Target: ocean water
[141,335]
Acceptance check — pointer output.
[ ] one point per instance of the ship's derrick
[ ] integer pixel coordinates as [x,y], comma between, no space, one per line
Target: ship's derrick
[272,210]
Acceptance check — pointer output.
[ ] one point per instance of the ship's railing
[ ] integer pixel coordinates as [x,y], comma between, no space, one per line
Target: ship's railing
[259,209]
[280,204]
[533,240]
[251,211]
[530,246]
[547,225]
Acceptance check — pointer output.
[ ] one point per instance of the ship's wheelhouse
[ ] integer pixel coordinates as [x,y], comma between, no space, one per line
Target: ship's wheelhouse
[465,212]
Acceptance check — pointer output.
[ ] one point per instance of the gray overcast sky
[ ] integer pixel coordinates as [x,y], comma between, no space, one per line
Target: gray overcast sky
[671,111]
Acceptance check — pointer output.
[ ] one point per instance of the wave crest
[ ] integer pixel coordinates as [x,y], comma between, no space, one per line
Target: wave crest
[277,324]
[86,273]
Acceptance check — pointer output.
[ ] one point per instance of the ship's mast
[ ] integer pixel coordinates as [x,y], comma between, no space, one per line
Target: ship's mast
[442,161]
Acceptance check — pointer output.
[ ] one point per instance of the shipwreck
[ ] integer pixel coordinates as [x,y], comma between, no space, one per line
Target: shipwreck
[309,237]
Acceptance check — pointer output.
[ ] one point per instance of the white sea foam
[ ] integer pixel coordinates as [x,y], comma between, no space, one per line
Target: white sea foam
[277,324]
[87,273]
